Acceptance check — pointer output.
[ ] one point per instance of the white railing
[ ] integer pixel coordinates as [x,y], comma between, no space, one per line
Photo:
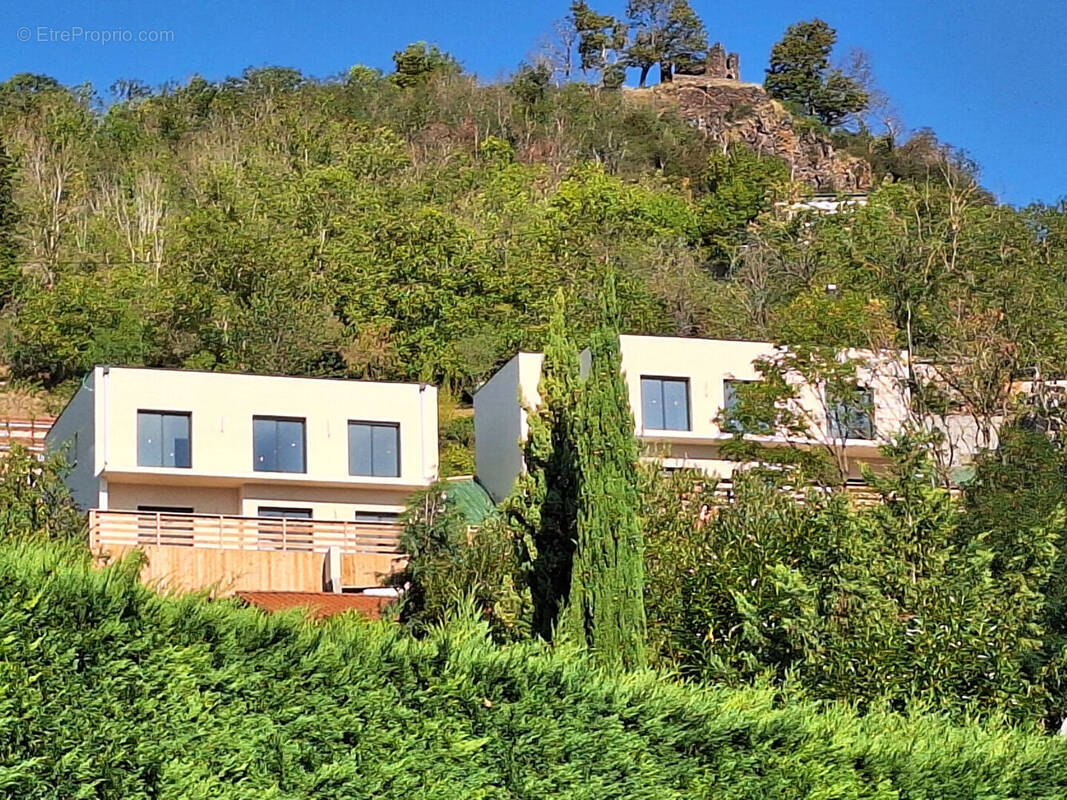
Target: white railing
[222,532]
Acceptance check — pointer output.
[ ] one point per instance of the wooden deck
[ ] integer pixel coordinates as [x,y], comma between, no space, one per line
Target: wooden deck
[228,554]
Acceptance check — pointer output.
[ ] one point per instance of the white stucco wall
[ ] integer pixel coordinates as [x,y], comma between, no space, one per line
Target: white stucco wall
[500,422]
[74,433]
[706,364]
[221,406]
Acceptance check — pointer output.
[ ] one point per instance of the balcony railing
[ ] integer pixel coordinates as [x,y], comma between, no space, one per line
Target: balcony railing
[221,532]
[29,433]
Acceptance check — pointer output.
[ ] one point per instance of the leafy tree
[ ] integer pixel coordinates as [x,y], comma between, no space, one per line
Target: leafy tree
[605,607]
[601,40]
[667,33]
[452,566]
[800,74]
[738,186]
[417,62]
[892,605]
[10,272]
[34,500]
[531,83]
[193,698]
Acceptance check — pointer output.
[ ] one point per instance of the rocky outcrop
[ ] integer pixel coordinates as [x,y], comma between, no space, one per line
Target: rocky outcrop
[729,111]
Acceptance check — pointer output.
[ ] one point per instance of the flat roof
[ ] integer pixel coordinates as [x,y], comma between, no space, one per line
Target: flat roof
[182,370]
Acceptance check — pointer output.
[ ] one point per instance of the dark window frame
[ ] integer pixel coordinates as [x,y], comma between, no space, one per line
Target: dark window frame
[374,423]
[303,441]
[273,529]
[179,534]
[165,413]
[381,517]
[286,512]
[844,429]
[688,401]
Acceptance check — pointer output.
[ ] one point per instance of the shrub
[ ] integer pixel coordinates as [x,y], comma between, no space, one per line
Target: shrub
[110,691]
[897,604]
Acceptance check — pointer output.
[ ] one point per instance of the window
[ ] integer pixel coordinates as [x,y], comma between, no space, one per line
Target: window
[374,449]
[732,391]
[163,439]
[278,444]
[665,403]
[284,513]
[154,527]
[377,517]
[279,533]
[852,416]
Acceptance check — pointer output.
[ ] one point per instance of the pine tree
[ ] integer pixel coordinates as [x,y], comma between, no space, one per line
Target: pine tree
[800,73]
[605,609]
[544,505]
[601,39]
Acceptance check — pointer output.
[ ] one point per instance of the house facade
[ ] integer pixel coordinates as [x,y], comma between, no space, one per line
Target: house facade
[677,389]
[165,459]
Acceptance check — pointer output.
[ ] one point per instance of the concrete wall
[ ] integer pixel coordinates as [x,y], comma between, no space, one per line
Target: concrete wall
[706,364]
[325,503]
[202,499]
[223,405]
[500,422]
[74,433]
[102,417]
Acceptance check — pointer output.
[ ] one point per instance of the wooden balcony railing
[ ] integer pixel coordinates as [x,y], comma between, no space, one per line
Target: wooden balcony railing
[220,532]
[29,433]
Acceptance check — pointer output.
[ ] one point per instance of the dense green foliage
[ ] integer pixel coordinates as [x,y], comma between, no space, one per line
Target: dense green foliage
[800,74]
[543,509]
[341,227]
[452,564]
[909,601]
[417,225]
[110,691]
[34,501]
[605,608]
[564,555]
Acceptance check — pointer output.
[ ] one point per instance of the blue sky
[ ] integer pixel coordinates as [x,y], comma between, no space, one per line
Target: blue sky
[987,75]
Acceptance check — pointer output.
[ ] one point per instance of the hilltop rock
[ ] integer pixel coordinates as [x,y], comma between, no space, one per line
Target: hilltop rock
[730,111]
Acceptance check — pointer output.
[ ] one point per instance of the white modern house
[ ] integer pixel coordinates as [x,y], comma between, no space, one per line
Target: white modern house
[246,481]
[677,389]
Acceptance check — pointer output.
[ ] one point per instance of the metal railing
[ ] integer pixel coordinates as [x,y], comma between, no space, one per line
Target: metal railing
[223,532]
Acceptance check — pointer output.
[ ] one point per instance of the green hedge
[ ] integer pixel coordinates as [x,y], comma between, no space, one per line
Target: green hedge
[109,691]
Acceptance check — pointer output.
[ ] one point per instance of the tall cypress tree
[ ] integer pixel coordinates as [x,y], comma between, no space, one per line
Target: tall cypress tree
[10,273]
[544,505]
[605,608]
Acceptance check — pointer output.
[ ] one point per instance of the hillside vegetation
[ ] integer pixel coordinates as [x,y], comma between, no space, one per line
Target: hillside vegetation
[110,691]
[422,226]
[415,225]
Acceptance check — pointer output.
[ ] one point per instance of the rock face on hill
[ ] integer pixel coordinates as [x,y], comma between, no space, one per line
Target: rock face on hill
[730,111]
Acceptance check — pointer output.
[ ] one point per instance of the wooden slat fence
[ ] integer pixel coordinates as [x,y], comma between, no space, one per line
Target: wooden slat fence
[28,432]
[219,532]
